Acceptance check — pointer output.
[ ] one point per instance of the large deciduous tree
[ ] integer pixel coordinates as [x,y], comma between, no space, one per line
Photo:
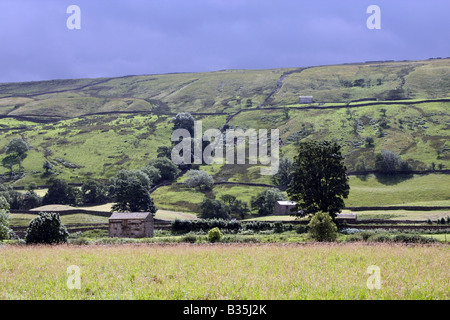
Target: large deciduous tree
[319,180]
[131,190]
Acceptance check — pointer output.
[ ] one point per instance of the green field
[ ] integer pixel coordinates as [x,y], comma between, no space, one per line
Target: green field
[223,272]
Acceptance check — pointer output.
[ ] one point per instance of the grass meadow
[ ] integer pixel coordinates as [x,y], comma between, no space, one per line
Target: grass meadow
[220,271]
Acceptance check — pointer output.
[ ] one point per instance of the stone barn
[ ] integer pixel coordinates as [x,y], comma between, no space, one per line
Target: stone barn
[131,225]
[283,208]
[306,99]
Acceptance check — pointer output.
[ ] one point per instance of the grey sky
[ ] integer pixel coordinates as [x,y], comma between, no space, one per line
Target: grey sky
[124,37]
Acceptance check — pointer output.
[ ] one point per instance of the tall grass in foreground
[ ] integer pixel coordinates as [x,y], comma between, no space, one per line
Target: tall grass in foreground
[314,271]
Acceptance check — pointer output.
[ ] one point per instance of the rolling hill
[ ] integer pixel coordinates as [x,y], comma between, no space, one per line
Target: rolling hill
[91,128]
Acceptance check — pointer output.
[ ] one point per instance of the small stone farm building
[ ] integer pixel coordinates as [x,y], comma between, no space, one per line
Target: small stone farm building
[306,99]
[283,208]
[131,225]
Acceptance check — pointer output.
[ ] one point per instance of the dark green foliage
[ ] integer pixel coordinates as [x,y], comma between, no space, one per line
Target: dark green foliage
[16,152]
[389,162]
[30,200]
[46,229]
[59,192]
[283,177]
[153,174]
[264,202]
[4,204]
[213,209]
[168,170]
[301,229]
[10,161]
[5,231]
[47,166]
[319,181]
[131,191]
[184,120]
[258,226]
[164,152]
[185,226]
[94,192]
[236,208]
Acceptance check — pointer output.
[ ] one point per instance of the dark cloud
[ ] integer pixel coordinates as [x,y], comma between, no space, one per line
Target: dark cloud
[122,37]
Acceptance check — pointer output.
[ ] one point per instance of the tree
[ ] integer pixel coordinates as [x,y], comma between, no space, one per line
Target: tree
[59,192]
[19,147]
[264,202]
[10,161]
[5,218]
[213,209]
[184,120]
[153,174]
[47,166]
[235,207]
[168,170]
[322,228]
[30,200]
[46,228]
[94,192]
[389,162]
[284,175]
[319,181]
[131,191]
[4,204]
[199,179]
[239,208]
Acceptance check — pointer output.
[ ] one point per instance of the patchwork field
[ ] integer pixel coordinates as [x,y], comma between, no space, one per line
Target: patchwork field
[225,272]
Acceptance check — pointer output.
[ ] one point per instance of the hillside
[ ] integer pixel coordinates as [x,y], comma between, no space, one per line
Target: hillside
[229,90]
[91,128]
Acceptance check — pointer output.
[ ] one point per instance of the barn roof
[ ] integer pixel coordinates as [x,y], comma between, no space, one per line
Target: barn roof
[346,216]
[287,203]
[129,215]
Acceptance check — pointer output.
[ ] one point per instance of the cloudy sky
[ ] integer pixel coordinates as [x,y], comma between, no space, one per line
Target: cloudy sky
[132,37]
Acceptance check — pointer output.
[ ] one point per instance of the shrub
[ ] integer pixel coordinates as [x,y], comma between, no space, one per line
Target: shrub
[412,238]
[185,226]
[380,237]
[322,228]
[214,235]
[5,231]
[46,228]
[199,179]
[4,203]
[301,229]
[190,238]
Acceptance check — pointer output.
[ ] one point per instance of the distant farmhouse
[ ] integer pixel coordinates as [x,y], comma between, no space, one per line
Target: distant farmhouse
[306,99]
[131,225]
[286,208]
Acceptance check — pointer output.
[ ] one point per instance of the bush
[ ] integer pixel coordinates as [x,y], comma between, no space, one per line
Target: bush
[203,225]
[211,209]
[190,238]
[5,231]
[322,228]
[301,229]
[412,238]
[47,229]
[214,235]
